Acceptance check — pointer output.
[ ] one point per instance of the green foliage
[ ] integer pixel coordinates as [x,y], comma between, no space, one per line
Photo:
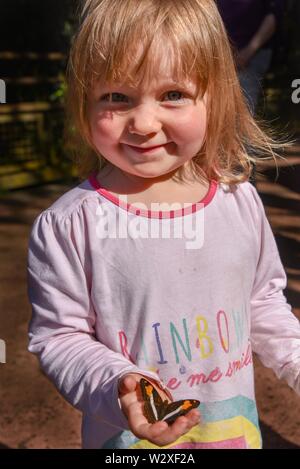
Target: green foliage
[58,96]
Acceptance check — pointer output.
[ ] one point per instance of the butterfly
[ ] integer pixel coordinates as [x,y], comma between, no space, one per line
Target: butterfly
[156,409]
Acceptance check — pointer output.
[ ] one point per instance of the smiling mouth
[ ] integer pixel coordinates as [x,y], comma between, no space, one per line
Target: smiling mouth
[148,149]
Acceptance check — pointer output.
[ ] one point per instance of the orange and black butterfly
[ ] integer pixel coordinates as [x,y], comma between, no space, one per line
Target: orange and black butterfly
[156,409]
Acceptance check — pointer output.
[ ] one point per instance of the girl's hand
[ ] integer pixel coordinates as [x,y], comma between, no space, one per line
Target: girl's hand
[158,433]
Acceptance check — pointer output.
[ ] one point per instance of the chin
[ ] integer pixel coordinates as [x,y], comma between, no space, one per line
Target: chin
[150,174]
[149,171]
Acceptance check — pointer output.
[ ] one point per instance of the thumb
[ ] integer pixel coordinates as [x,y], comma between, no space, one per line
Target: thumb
[127,384]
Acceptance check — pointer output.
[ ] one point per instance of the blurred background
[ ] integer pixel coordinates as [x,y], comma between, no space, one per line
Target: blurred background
[36,168]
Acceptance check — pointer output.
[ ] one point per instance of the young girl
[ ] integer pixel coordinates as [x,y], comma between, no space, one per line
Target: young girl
[161,264]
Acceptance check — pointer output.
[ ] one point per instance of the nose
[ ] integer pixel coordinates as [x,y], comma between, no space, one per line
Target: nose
[144,121]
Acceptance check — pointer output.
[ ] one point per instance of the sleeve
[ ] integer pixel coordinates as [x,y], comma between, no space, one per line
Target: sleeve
[275,331]
[61,330]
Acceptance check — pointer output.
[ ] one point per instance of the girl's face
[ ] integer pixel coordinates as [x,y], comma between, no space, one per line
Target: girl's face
[149,131]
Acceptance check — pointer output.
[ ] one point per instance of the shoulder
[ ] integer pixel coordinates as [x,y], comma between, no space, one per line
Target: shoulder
[68,212]
[242,196]
[244,190]
[249,194]
[77,198]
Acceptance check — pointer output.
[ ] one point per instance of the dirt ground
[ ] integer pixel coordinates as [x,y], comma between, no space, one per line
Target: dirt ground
[33,414]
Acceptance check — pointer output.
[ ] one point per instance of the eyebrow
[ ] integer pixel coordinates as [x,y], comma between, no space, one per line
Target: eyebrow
[162,85]
[184,84]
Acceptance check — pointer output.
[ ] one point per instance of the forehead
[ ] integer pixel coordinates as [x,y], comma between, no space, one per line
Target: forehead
[158,67]
[163,69]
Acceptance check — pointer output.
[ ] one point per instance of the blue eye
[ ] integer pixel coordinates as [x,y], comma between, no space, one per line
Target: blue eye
[113,97]
[174,94]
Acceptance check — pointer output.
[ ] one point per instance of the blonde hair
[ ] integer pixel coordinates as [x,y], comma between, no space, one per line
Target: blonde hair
[104,48]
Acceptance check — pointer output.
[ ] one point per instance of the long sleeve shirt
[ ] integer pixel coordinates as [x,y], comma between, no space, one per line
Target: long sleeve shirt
[181,296]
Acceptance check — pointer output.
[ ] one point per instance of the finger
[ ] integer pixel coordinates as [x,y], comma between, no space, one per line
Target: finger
[133,410]
[161,434]
[126,385]
[176,430]
[151,432]
[193,417]
[181,426]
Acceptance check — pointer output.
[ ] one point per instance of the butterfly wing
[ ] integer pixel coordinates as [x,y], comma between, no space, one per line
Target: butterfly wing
[153,404]
[178,408]
[156,409]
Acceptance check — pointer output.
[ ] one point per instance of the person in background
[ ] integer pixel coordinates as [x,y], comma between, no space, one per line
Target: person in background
[251,26]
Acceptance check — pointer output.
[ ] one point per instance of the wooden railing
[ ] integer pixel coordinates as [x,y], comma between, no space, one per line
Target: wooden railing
[31,145]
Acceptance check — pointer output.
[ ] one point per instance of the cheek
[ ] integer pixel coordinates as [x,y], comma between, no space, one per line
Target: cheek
[105,129]
[191,127]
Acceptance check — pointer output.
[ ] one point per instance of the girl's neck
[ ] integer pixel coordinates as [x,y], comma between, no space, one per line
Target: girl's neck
[183,186]
[115,180]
